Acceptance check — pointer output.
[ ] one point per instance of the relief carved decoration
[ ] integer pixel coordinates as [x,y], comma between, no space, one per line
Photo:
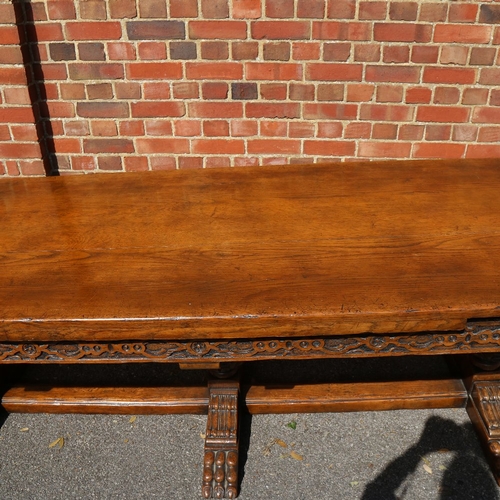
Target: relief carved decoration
[476,338]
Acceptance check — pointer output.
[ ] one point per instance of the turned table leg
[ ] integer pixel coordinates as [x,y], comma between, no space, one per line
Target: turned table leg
[220,463]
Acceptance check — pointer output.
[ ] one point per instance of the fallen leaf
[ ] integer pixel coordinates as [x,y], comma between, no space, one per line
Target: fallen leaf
[296,456]
[24,429]
[125,440]
[354,483]
[442,467]
[292,424]
[426,462]
[444,450]
[281,443]
[427,469]
[133,419]
[203,436]
[58,442]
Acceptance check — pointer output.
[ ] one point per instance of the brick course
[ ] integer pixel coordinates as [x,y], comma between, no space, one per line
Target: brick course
[134,85]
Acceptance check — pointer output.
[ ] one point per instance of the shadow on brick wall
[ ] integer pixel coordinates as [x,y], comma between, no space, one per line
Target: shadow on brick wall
[36,83]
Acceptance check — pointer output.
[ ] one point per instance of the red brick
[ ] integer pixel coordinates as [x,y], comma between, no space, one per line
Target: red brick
[442,114]
[433,12]
[367,52]
[336,51]
[95,71]
[489,134]
[358,130]
[396,74]
[156,90]
[438,150]
[418,95]
[163,163]
[453,54]
[402,32]
[446,95]
[462,13]
[403,11]
[494,98]
[329,148]
[359,92]
[215,109]
[152,51]
[4,132]
[185,90]
[386,112]
[486,115]
[311,9]
[330,111]
[244,128]
[61,109]
[227,30]
[80,127]
[218,146]
[108,146]
[83,163]
[341,9]
[127,90]
[16,115]
[12,168]
[424,54]
[273,128]
[163,145]
[280,30]
[209,70]
[273,91]
[244,91]
[31,167]
[475,96]
[280,146]
[330,129]
[102,109]
[135,163]
[24,132]
[187,128]
[302,51]
[464,133]
[120,9]
[17,95]
[384,131]
[159,127]
[13,76]
[437,132]
[11,55]
[301,92]
[156,30]
[334,72]
[7,14]
[490,76]
[247,9]
[449,75]
[396,54]
[410,132]
[93,9]
[47,32]
[131,127]
[211,50]
[384,149]
[191,162]
[61,9]
[67,145]
[334,30]
[245,50]
[483,151]
[279,8]
[109,163]
[183,8]
[459,33]
[389,93]
[214,90]
[55,71]
[157,108]
[121,51]
[330,92]
[273,71]
[154,70]
[105,30]
[265,110]
[216,128]
[301,129]
[215,9]
[152,8]
[372,10]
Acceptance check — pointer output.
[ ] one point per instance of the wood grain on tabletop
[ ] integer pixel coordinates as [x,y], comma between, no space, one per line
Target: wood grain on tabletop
[251,252]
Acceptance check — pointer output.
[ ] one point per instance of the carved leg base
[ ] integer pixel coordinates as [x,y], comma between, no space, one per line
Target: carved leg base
[483,408]
[220,463]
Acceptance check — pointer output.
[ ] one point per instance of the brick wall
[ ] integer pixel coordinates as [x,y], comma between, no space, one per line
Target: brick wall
[158,84]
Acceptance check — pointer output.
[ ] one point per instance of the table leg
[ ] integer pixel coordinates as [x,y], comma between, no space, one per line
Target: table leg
[220,463]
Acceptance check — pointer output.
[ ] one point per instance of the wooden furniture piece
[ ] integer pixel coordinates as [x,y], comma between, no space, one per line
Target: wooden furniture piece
[212,268]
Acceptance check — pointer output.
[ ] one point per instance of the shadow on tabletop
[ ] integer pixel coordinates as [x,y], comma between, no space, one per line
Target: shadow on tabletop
[465,476]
